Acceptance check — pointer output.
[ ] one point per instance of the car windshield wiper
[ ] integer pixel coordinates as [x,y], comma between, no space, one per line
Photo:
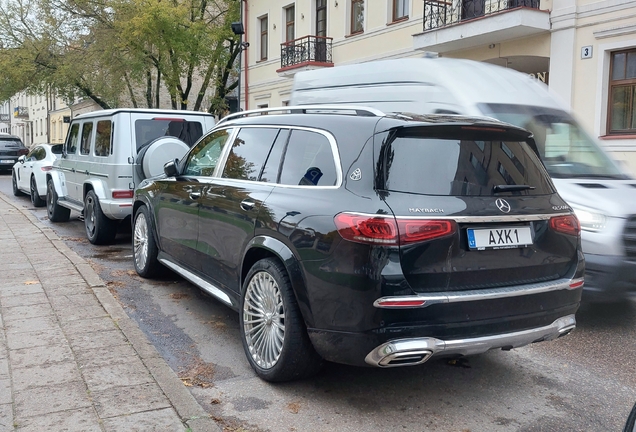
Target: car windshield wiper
[511,188]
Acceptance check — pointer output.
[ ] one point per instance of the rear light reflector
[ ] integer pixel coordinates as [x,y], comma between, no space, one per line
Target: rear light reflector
[46,168]
[395,303]
[567,224]
[576,283]
[23,152]
[374,229]
[123,194]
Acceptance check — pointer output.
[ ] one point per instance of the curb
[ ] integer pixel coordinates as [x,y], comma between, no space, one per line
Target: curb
[186,406]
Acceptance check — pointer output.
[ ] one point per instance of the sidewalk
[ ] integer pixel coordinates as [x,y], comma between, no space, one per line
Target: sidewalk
[70,358]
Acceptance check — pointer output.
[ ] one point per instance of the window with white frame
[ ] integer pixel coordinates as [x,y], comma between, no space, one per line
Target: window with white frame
[357,16]
[264,39]
[622,93]
[290,25]
[400,10]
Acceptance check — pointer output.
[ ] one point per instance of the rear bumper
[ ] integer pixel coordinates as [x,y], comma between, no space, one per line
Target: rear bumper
[404,352]
[116,209]
[608,278]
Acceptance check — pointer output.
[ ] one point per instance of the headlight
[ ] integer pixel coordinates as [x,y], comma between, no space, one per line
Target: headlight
[590,220]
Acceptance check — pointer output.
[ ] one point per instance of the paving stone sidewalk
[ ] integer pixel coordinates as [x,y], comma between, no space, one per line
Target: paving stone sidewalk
[70,357]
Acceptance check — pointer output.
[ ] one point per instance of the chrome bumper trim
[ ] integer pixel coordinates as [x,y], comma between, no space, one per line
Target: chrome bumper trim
[205,286]
[403,349]
[476,295]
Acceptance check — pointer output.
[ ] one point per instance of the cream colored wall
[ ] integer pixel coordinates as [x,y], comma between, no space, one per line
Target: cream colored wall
[57,120]
[533,46]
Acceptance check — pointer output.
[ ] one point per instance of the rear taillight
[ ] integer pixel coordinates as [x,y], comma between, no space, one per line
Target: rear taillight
[46,168]
[568,224]
[389,231]
[123,194]
[23,151]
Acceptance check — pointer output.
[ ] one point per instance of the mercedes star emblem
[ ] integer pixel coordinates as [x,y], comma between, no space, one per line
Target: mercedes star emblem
[502,205]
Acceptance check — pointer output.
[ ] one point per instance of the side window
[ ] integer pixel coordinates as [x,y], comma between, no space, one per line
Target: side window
[39,153]
[249,152]
[308,160]
[203,158]
[103,138]
[272,166]
[31,155]
[71,141]
[85,142]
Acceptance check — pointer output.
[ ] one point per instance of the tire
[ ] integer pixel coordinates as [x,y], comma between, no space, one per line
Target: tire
[100,230]
[56,212]
[35,196]
[278,347]
[145,248]
[14,183]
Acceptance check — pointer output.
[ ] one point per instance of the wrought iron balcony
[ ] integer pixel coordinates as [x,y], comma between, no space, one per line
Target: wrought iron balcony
[440,13]
[305,51]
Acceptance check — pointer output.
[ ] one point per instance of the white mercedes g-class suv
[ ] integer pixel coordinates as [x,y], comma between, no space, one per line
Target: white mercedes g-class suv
[107,153]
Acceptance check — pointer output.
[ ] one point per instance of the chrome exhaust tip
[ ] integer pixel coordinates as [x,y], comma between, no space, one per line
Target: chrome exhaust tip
[406,358]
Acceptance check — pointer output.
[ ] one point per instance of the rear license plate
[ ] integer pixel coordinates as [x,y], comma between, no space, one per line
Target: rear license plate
[499,238]
[7,161]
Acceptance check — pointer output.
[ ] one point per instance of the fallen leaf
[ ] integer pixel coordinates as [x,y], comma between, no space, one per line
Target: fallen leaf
[31,282]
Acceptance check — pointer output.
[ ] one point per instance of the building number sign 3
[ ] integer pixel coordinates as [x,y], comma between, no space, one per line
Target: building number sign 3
[586,52]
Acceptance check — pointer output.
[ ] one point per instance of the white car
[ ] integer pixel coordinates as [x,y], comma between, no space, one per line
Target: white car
[29,172]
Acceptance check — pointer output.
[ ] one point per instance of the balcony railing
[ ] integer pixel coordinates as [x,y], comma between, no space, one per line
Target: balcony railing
[440,13]
[306,50]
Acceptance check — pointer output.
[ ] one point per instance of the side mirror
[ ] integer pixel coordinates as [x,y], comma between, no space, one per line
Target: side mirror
[22,158]
[170,168]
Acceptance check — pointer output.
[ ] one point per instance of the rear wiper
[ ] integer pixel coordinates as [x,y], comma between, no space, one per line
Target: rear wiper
[511,188]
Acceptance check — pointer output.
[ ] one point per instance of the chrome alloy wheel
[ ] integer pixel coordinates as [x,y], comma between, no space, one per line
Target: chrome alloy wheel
[89,215]
[140,241]
[264,320]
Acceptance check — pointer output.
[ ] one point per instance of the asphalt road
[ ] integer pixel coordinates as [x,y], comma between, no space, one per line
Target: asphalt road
[583,382]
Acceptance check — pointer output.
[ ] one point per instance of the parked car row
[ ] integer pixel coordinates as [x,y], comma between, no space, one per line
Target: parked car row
[364,235]
[29,172]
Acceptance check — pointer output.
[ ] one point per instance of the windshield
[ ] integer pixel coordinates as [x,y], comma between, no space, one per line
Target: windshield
[567,151]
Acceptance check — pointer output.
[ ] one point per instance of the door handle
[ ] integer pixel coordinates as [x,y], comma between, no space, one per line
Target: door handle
[195,195]
[247,205]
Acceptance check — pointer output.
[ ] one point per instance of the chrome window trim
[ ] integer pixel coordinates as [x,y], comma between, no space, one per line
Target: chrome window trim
[477,295]
[236,129]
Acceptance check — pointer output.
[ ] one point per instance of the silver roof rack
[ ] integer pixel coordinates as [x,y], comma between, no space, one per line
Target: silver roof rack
[309,109]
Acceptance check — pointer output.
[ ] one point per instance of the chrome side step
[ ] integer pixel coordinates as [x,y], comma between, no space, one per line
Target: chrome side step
[205,286]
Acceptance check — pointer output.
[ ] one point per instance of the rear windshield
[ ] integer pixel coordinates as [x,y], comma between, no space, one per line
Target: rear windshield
[11,142]
[462,167]
[146,131]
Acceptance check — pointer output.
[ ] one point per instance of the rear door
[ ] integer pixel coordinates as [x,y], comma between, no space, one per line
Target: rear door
[474,208]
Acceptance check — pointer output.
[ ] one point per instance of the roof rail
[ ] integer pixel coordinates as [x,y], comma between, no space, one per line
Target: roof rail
[312,109]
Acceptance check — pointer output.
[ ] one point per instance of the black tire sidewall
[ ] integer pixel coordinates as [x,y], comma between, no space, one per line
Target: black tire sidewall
[152,264]
[14,184]
[104,228]
[35,197]
[58,213]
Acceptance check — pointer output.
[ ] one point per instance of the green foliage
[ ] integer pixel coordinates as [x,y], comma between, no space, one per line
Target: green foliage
[120,52]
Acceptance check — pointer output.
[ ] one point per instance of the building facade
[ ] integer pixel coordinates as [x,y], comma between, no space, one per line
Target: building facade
[584,50]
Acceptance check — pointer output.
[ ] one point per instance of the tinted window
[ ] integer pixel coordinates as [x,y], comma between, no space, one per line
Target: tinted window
[71,140]
[249,151]
[146,131]
[203,158]
[85,144]
[272,166]
[437,166]
[10,142]
[39,153]
[56,149]
[103,143]
[308,160]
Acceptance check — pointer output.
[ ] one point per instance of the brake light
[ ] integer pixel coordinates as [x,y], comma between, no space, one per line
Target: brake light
[392,303]
[568,224]
[23,151]
[46,168]
[123,194]
[389,231]
[168,119]
[577,283]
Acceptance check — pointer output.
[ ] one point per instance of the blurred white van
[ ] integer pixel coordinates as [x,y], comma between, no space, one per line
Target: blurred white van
[601,193]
